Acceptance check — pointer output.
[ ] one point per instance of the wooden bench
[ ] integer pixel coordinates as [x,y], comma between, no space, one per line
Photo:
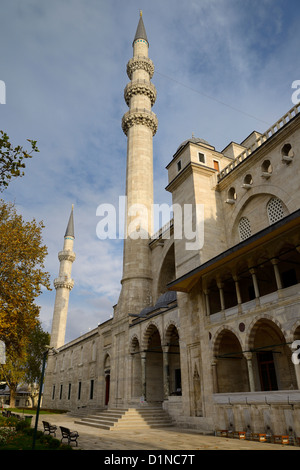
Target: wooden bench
[49,428]
[72,436]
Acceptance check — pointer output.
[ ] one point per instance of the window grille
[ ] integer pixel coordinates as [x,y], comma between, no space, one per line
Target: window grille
[244,228]
[275,210]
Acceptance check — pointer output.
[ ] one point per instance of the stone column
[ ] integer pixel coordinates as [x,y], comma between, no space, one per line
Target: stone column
[214,376]
[238,293]
[166,372]
[249,356]
[275,262]
[255,283]
[143,364]
[206,293]
[220,286]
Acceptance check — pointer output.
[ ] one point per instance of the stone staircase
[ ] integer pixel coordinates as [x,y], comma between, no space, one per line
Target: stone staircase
[126,419]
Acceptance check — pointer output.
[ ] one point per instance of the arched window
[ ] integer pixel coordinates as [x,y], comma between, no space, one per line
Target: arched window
[266,169]
[287,153]
[244,229]
[248,179]
[231,196]
[275,210]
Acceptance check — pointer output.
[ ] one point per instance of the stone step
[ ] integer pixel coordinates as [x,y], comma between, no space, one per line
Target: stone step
[129,418]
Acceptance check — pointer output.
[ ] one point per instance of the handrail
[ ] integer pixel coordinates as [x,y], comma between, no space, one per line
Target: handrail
[259,141]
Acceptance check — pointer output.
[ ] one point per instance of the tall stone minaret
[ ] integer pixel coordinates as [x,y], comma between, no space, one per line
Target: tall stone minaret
[139,125]
[63,285]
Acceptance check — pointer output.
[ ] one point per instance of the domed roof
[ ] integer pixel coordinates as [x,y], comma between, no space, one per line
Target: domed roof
[162,302]
[166,299]
[193,140]
[145,311]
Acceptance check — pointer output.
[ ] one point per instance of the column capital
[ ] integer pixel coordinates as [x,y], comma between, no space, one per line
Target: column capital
[248,355]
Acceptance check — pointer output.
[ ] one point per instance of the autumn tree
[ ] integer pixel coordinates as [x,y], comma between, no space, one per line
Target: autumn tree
[22,276]
[26,369]
[12,159]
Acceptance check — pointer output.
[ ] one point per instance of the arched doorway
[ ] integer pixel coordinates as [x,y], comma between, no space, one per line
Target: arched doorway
[154,365]
[173,360]
[232,372]
[272,357]
[107,379]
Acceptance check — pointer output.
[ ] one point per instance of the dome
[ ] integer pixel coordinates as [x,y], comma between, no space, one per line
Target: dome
[165,299]
[145,311]
[162,302]
[193,140]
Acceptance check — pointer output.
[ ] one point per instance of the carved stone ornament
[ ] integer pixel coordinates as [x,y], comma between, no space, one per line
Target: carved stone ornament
[140,87]
[63,282]
[66,256]
[139,117]
[137,63]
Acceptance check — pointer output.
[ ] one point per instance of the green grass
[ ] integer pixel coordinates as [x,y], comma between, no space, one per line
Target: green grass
[32,411]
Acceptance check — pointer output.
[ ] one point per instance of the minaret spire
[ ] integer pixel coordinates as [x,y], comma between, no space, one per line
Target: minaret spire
[141,31]
[63,285]
[70,226]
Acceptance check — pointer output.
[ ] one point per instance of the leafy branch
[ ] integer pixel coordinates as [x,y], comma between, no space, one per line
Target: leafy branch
[12,159]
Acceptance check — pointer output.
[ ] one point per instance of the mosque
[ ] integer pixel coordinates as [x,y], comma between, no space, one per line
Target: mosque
[205,328]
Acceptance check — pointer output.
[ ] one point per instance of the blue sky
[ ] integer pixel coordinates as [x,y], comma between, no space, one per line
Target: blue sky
[223,68]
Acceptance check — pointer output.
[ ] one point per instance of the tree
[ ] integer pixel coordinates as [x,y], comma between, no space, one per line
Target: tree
[22,277]
[26,369]
[12,159]
[13,373]
[38,341]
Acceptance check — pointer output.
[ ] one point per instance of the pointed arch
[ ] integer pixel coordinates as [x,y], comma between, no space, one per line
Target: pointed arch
[232,372]
[272,364]
[152,347]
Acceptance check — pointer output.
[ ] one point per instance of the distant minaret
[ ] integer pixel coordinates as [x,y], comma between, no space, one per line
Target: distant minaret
[139,125]
[63,285]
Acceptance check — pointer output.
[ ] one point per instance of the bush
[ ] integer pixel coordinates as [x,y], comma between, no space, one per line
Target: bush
[10,422]
[5,434]
[21,425]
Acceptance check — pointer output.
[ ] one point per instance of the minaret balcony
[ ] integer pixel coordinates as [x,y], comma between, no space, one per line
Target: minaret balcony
[138,116]
[63,282]
[140,63]
[66,255]
[140,87]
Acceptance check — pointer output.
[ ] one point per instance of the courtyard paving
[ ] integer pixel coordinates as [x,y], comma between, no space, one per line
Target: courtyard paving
[172,438]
